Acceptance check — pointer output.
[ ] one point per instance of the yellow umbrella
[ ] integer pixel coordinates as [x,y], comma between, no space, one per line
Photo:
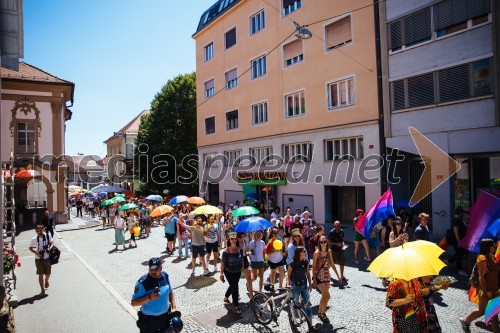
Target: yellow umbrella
[161,210]
[196,201]
[207,210]
[429,247]
[407,262]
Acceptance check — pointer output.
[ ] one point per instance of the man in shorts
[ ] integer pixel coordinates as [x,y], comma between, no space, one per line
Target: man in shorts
[197,243]
[337,245]
[40,245]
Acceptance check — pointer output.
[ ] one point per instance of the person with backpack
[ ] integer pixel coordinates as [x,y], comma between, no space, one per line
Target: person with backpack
[40,245]
[485,278]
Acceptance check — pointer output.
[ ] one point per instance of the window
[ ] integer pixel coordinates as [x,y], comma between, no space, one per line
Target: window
[259,67]
[209,51]
[231,157]
[295,104]
[410,30]
[445,18]
[230,38]
[25,143]
[209,159]
[210,125]
[343,149]
[257,22]
[232,120]
[289,6]
[446,85]
[292,52]
[338,33]
[209,88]
[259,113]
[232,79]
[298,152]
[451,16]
[261,155]
[341,93]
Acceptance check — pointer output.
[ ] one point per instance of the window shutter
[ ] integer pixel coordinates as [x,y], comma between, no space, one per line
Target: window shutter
[479,8]
[454,83]
[293,49]
[421,90]
[339,32]
[231,75]
[418,26]
[209,84]
[450,12]
[398,95]
[230,38]
[395,32]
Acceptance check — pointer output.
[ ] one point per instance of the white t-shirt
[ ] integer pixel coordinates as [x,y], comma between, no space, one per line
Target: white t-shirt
[38,243]
[258,248]
[91,204]
[119,222]
[275,257]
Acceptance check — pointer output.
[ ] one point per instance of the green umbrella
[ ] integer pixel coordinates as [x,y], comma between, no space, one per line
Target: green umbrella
[120,195]
[128,206]
[118,199]
[245,211]
[107,202]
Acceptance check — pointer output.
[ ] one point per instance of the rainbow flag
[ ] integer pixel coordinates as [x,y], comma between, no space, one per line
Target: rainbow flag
[410,314]
[381,210]
[483,213]
[497,254]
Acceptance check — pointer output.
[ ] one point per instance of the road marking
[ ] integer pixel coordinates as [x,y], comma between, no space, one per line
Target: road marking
[125,305]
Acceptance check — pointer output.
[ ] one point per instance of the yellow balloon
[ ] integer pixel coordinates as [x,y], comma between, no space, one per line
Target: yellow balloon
[278,245]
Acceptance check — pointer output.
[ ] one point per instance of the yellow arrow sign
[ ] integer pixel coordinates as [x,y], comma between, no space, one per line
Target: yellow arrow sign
[439,166]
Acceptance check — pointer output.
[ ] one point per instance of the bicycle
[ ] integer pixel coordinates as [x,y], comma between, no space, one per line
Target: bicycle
[265,310]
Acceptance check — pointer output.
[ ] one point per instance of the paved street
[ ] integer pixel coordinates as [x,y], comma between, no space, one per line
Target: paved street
[102,283]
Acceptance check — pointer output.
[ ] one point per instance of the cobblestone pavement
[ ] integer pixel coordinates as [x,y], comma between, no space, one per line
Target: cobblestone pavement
[358,306]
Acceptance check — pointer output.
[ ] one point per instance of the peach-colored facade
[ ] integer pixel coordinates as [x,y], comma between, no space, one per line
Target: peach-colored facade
[356,60]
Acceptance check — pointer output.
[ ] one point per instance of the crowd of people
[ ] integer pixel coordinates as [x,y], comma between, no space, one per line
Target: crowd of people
[299,253]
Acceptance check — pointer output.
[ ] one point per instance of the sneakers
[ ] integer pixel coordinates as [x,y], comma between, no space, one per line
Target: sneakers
[465,326]
[356,261]
[462,273]
[366,259]
[206,272]
[192,272]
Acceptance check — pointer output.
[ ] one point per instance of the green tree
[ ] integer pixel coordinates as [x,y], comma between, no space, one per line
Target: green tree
[166,153]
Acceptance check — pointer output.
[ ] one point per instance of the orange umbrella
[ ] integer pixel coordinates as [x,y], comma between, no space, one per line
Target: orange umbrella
[161,210]
[196,201]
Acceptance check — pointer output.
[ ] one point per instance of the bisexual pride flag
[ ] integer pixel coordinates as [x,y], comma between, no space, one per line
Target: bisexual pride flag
[484,213]
[381,210]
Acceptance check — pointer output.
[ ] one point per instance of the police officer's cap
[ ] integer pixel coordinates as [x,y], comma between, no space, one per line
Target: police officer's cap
[154,263]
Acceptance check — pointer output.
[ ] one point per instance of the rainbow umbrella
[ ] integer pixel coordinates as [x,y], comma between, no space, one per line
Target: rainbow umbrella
[492,309]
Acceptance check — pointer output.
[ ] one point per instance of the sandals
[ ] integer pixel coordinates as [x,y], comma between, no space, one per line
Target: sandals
[323,317]
[226,300]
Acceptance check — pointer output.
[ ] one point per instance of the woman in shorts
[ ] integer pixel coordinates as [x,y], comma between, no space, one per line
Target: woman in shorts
[257,247]
[275,258]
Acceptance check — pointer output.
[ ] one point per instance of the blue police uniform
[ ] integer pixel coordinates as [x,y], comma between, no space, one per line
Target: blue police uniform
[145,286]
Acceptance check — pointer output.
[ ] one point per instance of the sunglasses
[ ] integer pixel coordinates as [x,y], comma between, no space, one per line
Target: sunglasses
[296,236]
[323,242]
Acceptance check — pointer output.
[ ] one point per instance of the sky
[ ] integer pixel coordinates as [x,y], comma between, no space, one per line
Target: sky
[119,53]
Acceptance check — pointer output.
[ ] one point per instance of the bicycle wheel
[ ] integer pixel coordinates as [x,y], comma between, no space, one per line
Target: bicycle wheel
[262,309]
[300,324]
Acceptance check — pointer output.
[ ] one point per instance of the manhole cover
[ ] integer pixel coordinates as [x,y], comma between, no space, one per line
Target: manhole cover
[216,318]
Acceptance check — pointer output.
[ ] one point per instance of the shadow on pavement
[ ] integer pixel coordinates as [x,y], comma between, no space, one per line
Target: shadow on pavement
[374,288]
[198,282]
[30,300]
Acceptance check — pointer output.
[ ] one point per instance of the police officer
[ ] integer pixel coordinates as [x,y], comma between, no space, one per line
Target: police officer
[153,293]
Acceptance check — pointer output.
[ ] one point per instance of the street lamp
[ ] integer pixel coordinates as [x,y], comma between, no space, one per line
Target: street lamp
[301,32]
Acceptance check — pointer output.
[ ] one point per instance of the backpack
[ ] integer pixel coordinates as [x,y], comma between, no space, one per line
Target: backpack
[54,255]
[474,276]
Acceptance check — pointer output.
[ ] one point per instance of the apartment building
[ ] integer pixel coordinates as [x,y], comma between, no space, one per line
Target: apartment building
[441,61]
[288,120]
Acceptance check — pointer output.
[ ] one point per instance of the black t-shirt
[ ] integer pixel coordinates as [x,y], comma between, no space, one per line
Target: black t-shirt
[299,277]
[233,261]
[336,237]
[79,203]
[47,222]
[459,223]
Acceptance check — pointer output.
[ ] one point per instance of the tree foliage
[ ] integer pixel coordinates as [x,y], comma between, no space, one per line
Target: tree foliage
[166,153]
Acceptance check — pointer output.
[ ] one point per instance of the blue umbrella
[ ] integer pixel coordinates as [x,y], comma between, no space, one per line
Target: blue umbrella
[93,195]
[178,199]
[102,194]
[253,223]
[154,197]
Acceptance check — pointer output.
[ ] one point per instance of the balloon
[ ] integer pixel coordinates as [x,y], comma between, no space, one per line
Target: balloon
[278,245]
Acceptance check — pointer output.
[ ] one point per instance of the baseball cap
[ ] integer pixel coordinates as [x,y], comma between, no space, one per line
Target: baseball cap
[359,211]
[154,263]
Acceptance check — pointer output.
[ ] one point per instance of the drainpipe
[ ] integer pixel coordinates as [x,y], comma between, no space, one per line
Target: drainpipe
[381,132]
